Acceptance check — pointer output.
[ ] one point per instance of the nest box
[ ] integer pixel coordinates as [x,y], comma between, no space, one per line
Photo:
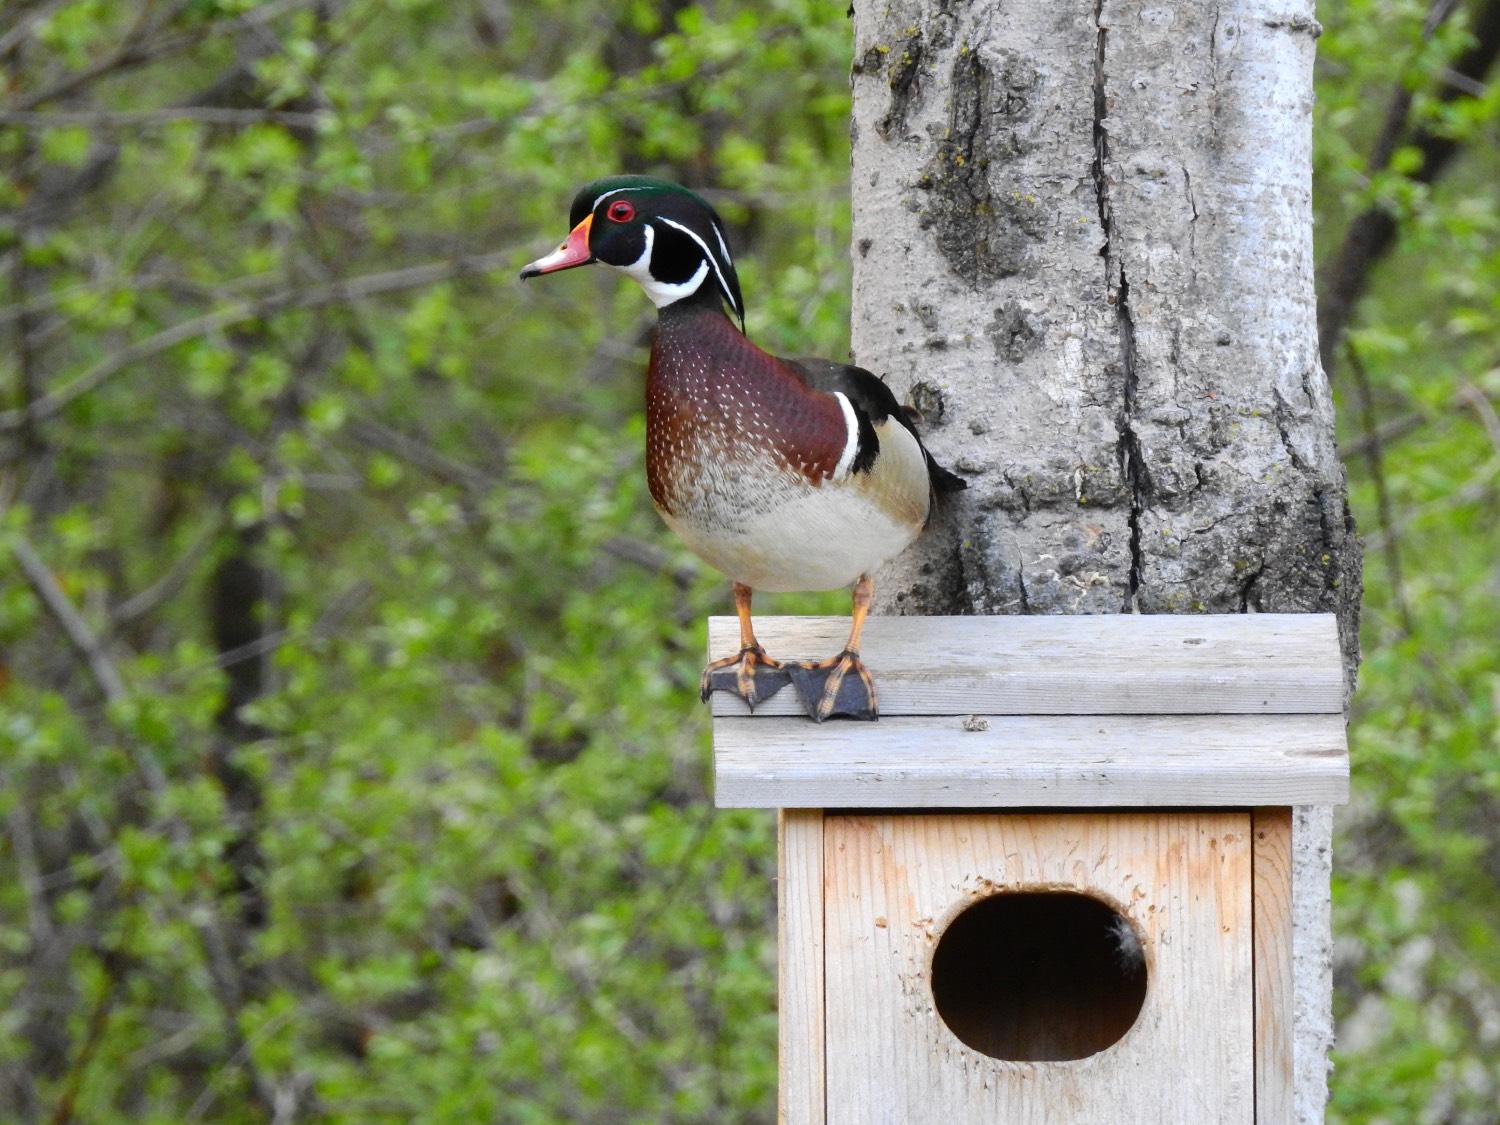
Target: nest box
[1053,882]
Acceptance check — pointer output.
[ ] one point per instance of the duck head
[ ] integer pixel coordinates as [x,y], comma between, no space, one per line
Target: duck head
[662,235]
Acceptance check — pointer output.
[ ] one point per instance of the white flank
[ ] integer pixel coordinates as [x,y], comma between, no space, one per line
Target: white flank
[811,539]
[771,528]
[851,443]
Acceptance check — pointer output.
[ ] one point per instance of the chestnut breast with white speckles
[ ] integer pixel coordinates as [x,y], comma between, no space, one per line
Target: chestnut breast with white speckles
[748,464]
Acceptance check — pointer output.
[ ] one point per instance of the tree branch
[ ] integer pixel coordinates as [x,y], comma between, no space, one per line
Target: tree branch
[28,20]
[134,50]
[130,52]
[1473,396]
[426,459]
[228,985]
[1375,459]
[419,455]
[1372,233]
[339,292]
[28,870]
[122,119]
[1384,434]
[170,583]
[75,628]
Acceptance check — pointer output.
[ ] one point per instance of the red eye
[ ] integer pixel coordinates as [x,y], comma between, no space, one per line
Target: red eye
[621,211]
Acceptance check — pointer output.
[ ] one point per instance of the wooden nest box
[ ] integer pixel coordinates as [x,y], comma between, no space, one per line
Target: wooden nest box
[1053,882]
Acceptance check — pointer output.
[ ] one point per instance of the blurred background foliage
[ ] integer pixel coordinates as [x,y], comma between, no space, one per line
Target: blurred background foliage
[1408,211]
[350,765]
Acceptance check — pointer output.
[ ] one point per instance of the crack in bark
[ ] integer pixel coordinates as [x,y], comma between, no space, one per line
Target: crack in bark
[1132,462]
[1247,587]
[1018,488]
[984,233]
[1213,76]
[1279,414]
[1213,523]
[1101,142]
[901,75]
[1330,540]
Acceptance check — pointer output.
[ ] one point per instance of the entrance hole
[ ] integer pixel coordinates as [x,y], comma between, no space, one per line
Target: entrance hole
[1039,976]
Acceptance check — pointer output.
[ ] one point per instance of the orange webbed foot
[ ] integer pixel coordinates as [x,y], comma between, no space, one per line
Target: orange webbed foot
[838,686]
[750,674]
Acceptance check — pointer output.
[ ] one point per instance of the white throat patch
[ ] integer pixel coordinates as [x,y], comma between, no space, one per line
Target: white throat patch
[708,255]
[662,293]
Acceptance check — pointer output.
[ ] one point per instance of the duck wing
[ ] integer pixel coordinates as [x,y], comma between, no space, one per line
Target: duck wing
[873,403]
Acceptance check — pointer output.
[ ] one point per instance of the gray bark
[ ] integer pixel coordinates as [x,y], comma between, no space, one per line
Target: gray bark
[1083,248]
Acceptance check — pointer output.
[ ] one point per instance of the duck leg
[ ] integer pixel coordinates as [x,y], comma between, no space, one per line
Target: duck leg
[842,684]
[750,674]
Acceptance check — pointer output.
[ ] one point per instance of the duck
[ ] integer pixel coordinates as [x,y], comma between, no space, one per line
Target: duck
[784,474]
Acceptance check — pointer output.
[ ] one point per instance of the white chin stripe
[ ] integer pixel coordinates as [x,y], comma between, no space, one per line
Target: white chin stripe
[851,444]
[662,293]
[708,255]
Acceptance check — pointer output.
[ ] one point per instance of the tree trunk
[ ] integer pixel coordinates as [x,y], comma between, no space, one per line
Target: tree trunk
[1083,249]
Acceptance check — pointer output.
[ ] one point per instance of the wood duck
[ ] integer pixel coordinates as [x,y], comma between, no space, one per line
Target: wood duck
[785,474]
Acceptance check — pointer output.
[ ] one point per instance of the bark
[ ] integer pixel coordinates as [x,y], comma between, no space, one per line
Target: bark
[1083,249]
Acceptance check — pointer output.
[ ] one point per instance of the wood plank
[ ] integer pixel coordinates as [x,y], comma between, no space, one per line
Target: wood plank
[1271,833]
[1055,665]
[799,942]
[894,884]
[1020,760]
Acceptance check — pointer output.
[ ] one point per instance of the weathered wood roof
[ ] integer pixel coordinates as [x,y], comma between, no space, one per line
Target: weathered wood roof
[1098,711]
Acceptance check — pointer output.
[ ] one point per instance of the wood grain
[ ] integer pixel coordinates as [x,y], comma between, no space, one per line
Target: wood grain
[1107,664]
[894,882]
[799,942]
[1085,761]
[1271,832]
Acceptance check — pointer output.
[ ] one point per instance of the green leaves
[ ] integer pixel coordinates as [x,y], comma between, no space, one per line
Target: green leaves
[435,841]
[369,542]
[1419,967]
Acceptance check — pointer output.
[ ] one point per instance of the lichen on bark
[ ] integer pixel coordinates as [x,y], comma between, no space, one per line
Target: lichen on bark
[984,231]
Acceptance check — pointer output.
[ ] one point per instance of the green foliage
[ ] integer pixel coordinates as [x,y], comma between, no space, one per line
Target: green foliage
[1418,918]
[402,812]
[447,852]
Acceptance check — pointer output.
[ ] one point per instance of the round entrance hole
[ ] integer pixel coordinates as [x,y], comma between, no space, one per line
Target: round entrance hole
[1039,976]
